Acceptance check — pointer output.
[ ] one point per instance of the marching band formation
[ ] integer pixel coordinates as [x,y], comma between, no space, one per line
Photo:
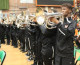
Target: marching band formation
[41,36]
[31,35]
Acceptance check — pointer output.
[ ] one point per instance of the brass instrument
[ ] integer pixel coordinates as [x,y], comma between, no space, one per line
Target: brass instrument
[50,24]
[20,20]
[45,18]
[31,20]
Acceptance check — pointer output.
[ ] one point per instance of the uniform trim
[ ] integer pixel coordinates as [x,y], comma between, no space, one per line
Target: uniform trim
[62,32]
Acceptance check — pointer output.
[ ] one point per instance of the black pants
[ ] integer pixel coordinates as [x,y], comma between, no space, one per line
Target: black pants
[38,59]
[22,42]
[8,34]
[47,61]
[21,37]
[8,38]
[27,43]
[63,60]
[3,39]
[14,40]
[37,52]
[47,53]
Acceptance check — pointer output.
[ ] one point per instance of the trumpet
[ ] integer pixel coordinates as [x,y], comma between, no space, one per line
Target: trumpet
[46,19]
[50,24]
[32,20]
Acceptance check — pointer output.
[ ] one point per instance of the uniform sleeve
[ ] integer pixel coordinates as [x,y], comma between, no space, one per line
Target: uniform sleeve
[69,31]
[46,31]
[43,28]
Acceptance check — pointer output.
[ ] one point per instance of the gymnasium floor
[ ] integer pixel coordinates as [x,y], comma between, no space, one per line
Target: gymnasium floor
[15,57]
[77,55]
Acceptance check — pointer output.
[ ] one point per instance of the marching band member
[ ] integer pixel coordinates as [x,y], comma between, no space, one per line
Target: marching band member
[2,31]
[64,41]
[14,33]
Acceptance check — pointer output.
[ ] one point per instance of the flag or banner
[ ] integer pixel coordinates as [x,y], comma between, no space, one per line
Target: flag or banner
[26,1]
[4,4]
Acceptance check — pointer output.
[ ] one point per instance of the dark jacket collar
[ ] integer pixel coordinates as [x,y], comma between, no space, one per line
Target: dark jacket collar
[67,19]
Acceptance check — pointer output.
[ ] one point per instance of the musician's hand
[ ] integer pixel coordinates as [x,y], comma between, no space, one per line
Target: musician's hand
[53,19]
[34,20]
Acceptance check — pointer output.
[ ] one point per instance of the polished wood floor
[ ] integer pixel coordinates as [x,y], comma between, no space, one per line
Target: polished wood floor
[15,57]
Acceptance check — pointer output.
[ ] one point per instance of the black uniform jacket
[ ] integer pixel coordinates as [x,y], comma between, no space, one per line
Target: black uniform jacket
[65,35]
